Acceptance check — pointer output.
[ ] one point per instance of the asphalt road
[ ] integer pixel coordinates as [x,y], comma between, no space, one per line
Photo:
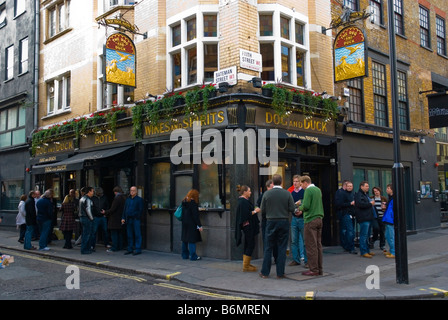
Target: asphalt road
[33,277]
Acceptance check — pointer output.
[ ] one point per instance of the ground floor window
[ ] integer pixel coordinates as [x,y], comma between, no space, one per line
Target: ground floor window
[377,177]
[12,190]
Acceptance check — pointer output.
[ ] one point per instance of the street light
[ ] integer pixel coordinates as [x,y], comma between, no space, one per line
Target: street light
[401,255]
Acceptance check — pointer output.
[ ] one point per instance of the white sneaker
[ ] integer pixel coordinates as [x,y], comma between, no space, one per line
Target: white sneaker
[44,249]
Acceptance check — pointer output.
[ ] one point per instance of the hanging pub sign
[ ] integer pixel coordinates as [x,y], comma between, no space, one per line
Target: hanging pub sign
[438,110]
[120,60]
[350,54]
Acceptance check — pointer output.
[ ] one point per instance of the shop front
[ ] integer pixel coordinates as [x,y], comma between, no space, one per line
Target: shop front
[238,126]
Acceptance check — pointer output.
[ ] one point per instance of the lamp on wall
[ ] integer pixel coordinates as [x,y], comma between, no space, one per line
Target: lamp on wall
[223,87]
[256,82]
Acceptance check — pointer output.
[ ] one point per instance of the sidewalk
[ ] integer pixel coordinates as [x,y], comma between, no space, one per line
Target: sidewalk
[344,274]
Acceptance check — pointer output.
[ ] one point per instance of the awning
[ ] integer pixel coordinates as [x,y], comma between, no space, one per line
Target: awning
[77,161]
[306,137]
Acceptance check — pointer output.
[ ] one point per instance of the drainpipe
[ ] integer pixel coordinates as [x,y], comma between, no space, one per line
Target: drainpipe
[36,63]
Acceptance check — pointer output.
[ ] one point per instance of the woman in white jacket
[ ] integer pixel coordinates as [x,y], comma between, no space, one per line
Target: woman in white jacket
[20,219]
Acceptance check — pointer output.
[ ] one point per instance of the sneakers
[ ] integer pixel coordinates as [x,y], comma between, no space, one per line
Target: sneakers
[390,256]
[366,255]
[44,249]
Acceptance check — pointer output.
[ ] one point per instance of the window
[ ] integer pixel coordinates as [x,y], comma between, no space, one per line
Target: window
[9,58]
[398,14]
[355,109]
[58,94]
[425,40]
[160,185]
[23,67]
[402,101]
[377,11]
[379,94]
[284,46]
[209,187]
[2,15]
[12,127]
[193,49]
[352,4]
[58,18]
[11,190]
[377,177]
[441,36]
[19,7]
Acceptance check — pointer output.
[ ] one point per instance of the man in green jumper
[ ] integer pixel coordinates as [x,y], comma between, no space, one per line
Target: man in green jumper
[313,212]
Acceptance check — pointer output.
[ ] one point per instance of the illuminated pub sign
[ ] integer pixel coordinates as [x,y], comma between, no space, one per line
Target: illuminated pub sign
[350,54]
[120,60]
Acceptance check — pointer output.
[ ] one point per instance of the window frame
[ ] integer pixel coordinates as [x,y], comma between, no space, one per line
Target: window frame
[425,28]
[9,62]
[19,125]
[376,7]
[59,103]
[403,104]
[55,22]
[380,94]
[356,111]
[441,38]
[399,17]
[24,55]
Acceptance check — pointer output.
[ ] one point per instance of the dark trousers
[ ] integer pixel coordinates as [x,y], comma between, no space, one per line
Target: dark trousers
[249,240]
[277,234]
[68,239]
[313,244]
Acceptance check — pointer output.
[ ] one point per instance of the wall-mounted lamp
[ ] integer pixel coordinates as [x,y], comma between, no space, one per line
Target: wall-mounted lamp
[256,82]
[223,87]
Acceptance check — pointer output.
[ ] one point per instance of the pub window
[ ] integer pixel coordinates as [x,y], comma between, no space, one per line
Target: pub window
[210,61]
[288,49]
[379,94]
[192,65]
[398,14]
[376,9]
[12,127]
[210,25]
[209,186]
[402,101]
[425,40]
[377,177]
[441,36]
[177,70]
[355,109]
[12,190]
[160,185]
[191,29]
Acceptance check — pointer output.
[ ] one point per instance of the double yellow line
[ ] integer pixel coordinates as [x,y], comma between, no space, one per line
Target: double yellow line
[200,292]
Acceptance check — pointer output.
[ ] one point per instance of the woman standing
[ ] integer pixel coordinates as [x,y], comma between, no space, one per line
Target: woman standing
[68,222]
[20,218]
[380,202]
[191,225]
[246,221]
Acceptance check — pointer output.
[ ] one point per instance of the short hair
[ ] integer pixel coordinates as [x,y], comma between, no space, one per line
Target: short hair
[31,194]
[269,182]
[23,197]
[296,176]
[87,189]
[277,179]
[117,189]
[306,179]
[363,183]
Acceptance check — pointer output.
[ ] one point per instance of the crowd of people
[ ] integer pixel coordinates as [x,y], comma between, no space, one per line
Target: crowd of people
[89,214]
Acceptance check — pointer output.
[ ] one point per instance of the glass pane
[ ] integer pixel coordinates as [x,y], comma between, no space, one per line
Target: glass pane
[12,118]
[5,139]
[11,193]
[373,177]
[284,27]
[176,35]
[183,185]
[3,117]
[192,66]
[266,25]
[209,186]
[286,72]
[210,26]
[210,61]
[299,33]
[18,137]
[160,185]
[191,29]
[300,66]
[177,71]
[267,53]
[22,112]
[358,177]
[386,178]
[68,88]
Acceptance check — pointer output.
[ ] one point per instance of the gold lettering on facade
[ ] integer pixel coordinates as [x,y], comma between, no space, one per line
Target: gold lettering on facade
[105,138]
[55,148]
[307,124]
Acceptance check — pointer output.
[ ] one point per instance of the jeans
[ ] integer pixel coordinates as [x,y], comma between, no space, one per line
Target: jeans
[87,235]
[189,251]
[347,233]
[117,239]
[277,234]
[364,237]
[390,237]
[45,228]
[297,242]
[133,230]
[28,235]
[100,223]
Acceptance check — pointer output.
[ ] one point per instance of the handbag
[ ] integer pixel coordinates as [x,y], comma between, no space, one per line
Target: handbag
[178,213]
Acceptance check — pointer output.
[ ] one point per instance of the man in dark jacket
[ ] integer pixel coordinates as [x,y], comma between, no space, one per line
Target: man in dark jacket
[345,208]
[30,220]
[44,208]
[86,218]
[114,219]
[364,216]
[133,209]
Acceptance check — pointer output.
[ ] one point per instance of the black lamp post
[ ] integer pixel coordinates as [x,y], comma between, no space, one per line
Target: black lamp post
[401,255]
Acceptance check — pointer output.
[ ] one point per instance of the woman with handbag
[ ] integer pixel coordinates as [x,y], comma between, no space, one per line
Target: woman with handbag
[191,225]
[247,222]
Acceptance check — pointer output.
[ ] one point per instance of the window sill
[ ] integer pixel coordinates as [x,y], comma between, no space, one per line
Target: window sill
[56,36]
[426,48]
[56,114]
[442,55]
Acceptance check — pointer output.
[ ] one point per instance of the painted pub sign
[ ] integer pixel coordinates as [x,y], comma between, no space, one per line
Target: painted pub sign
[120,60]
[350,54]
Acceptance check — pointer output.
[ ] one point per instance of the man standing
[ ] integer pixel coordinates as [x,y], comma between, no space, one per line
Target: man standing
[345,209]
[313,212]
[44,208]
[297,226]
[269,185]
[132,213]
[364,216]
[277,204]
[31,222]
[388,220]
[86,217]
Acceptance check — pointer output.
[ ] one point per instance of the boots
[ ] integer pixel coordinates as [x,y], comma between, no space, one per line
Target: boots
[246,264]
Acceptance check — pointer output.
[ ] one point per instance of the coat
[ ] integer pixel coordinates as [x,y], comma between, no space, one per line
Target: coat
[115,212]
[243,215]
[30,208]
[68,222]
[363,207]
[190,222]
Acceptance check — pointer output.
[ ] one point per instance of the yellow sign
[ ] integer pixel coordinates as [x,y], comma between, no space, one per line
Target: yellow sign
[350,54]
[120,60]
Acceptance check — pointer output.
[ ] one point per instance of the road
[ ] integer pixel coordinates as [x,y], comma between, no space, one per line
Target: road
[34,277]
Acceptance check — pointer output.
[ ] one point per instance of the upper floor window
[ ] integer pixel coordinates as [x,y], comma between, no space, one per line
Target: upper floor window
[284,46]
[23,66]
[425,40]
[58,94]
[355,110]
[379,93]
[193,49]
[398,15]
[352,4]
[2,14]
[441,35]
[19,7]
[109,4]
[402,101]
[9,63]
[376,9]
[12,126]
[58,18]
